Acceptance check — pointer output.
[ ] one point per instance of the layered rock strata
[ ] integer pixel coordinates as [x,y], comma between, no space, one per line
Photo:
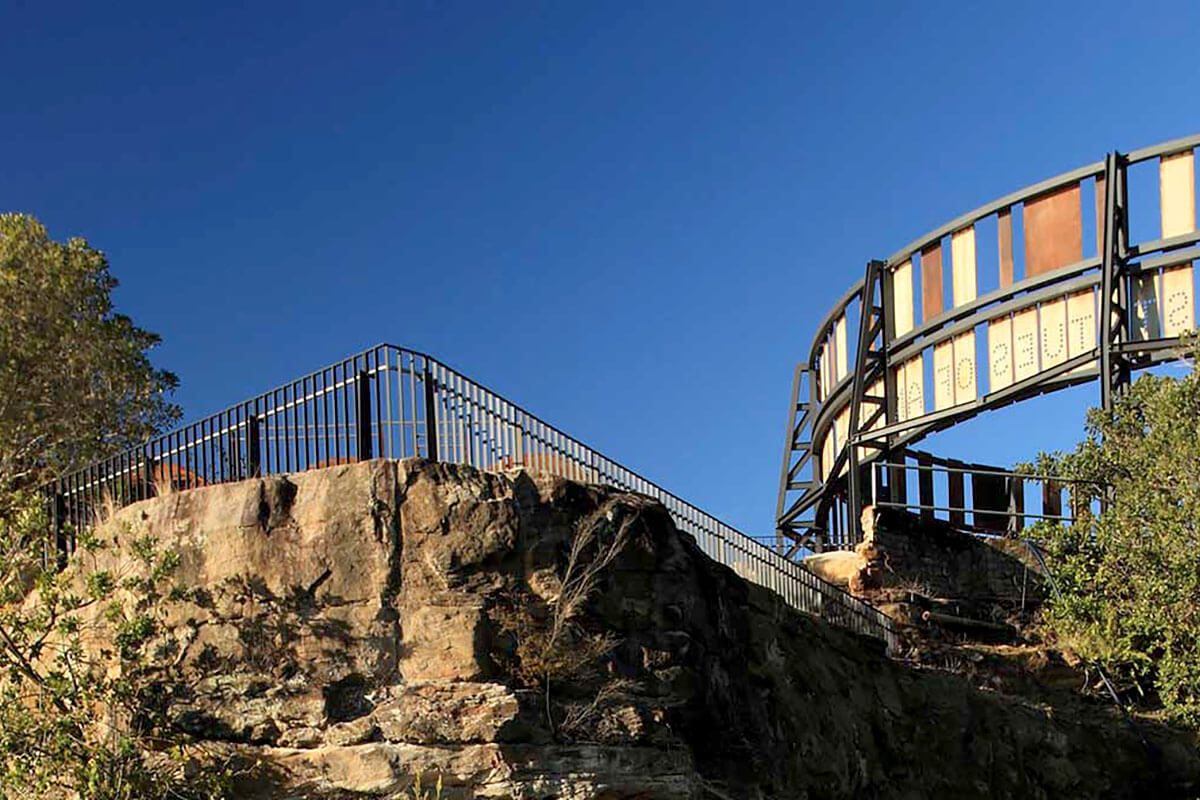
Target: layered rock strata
[521,636]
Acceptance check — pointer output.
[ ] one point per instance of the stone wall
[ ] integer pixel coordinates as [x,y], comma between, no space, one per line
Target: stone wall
[355,626]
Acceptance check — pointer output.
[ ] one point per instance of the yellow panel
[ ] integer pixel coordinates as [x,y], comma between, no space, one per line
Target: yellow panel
[901,393]
[943,376]
[1025,344]
[1177,193]
[1053,325]
[841,425]
[914,377]
[962,264]
[1081,323]
[1000,352]
[1179,305]
[826,457]
[902,298]
[839,347]
[826,375]
[964,368]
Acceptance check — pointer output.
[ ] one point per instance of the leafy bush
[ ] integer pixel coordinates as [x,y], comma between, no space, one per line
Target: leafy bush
[1130,575]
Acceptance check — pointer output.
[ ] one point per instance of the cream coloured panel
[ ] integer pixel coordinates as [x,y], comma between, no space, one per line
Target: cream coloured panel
[1081,323]
[964,368]
[841,425]
[1177,193]
[1025,344]
[1000,354]
[839,348]
[914,377]
[902,298]
[962,263]
[826,374]
[943,376]
[901,393]
[1053,326]
[827,456]
[1179,304]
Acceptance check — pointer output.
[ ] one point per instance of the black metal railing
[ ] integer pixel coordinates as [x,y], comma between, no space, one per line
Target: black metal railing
[389,402]
[977,498]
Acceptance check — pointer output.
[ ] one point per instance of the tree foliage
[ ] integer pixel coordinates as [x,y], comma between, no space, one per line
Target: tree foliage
[84,662]
[87,671]
[77,381]
[1130,575]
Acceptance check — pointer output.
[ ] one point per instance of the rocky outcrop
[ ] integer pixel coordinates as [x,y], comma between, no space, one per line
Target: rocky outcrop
[523,636]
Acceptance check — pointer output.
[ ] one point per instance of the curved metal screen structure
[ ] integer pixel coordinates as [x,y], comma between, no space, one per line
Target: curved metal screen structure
[916,347]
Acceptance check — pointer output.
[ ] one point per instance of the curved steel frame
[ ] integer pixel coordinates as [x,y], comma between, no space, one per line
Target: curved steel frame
[822,489]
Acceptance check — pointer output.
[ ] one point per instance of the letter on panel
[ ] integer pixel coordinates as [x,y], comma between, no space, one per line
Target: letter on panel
[1004,227]
[1177,191]
[964,368]
[1000,354]
[962,264]
[839,335]
[902,298]
[1144,307]
[914,376]
[1081,323]
[1179,307]
[931,282]
[901,393]
[1053,231]
[1025,344]
[943,376]
[1054,333]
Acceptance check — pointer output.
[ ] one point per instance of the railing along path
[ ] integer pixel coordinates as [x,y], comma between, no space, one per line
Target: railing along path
[391,402]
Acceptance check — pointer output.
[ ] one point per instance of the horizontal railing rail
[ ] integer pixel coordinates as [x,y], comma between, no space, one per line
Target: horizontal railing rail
[978,498]
[396,403]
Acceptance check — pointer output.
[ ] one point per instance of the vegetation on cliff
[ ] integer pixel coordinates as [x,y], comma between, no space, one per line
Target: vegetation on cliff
[1130,575]
[79,671]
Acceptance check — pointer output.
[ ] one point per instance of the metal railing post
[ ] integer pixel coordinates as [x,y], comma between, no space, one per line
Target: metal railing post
[362,413]
[431,437]
[253,456]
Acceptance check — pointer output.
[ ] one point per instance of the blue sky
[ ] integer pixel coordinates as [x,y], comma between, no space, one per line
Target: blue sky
[627,218]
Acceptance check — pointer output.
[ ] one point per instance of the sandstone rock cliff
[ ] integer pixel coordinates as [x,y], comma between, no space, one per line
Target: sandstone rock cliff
[358,625]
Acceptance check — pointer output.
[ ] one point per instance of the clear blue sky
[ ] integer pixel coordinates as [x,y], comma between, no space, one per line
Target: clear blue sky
[626,217]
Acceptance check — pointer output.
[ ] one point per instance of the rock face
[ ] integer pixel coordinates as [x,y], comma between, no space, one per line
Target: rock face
[528,637]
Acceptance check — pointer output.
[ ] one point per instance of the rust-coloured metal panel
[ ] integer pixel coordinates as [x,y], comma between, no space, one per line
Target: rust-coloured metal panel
[1100,184]
[1053,231]
[931,282]
[1004,225]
